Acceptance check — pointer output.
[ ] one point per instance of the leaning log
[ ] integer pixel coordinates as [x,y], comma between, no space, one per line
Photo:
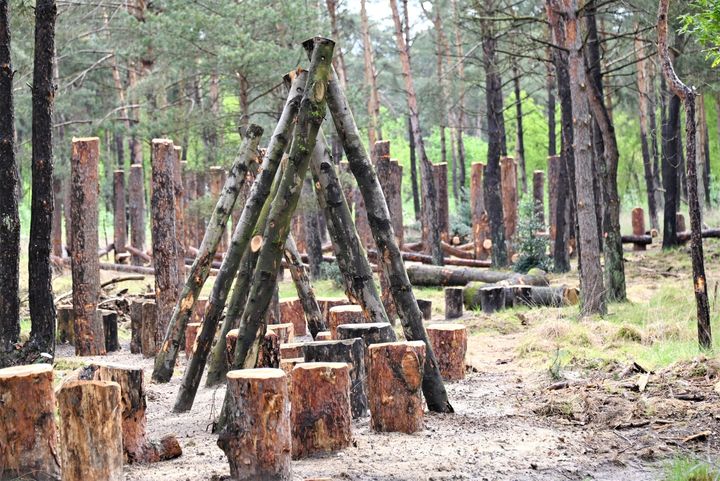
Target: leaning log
[165,360]
[426,275]
[309,312]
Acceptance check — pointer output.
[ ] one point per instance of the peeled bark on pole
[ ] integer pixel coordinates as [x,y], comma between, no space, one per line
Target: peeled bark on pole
[165,360]
[89,337]
[687,94]
[9,179]
[310,117]
[216,182]
[40,292]
[136,198]
[508,181]
[380,223]
[310,310]
[119,230]
[91,446]
[480,220]
[351,258]
[238,254]
[28,442]
[163,238]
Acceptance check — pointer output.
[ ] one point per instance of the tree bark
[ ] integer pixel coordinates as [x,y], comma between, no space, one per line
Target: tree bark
[380,223]
[508,184]
[442,208]
[413,172]
[550,85]
[239,258]
[165,360]
[9,179]
[687,94]
[450,343]
[136,198]
[42,307]
[539,196]
[453,303]
[310,310]
[480,219]
[430,223]
[496,130]
[461,96]
[88,331]
[520,136]
[591,276]
[373,102]
[119,230]
[670,173]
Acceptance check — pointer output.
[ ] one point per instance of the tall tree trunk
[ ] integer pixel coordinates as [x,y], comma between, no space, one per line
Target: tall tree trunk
[373,102]
[687,94]
[491,181]
[431,233]
[645,141]
[520,140]
[653,128]
[413,172]
[591,276]
[703,153]
[670,173]
[42,306]
[461,95]
[339,60]
[550,85]
[10,227]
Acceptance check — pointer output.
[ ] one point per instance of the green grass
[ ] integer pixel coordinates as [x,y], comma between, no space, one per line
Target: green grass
[690,469]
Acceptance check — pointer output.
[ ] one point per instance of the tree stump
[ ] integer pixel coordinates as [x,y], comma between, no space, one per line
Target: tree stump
[370,333]
[638,226]
[136,313]
[426,308]
[492,298]
[680,223]
[110,325]
[136,199]
[352,352]
[65,324]
[323,336]
[133,402]
[347,314]
[449,343]
[291,310]
[88,328]
[285,332]
[191,332]
[230,343]
[320,415]
[521,295]
[292,350]
[28,443]
[269,355]
[327,303]
[453,302]
[91,446]
[257,436]
[287,365]
[148,336]
[395,386]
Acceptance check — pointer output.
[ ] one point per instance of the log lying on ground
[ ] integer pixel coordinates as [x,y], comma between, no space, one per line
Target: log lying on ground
[394,382]
[684,236]
[456,251]
[91,447]
[257,438]
[424,275]
[238,256]
[165,360]
[137,448]
[553,296]
[321,418]
[449,342]
[352,352]
[426,259]
[638,240]
[28,441]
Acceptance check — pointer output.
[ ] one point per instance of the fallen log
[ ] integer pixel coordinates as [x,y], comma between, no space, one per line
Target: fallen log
[106,250]
[684,236]
[456,251]
[426,259]
[425,275]
[138,253]
[637,239]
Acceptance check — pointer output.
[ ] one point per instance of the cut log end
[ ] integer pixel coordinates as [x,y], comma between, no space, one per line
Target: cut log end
[256,243]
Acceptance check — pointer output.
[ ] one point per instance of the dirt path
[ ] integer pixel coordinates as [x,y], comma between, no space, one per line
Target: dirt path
[493,435]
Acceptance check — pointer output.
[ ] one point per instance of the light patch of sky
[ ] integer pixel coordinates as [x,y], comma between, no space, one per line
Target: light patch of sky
[380,14]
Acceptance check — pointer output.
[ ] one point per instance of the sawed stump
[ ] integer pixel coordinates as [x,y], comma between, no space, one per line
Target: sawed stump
[370,333]
[291,310]
[28,444]
[449,343]
[257,436]
[191,332]
[320,415]
[346,314]
[453,302]
[395,386]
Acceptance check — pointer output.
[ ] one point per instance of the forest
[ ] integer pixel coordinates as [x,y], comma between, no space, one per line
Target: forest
[359,239]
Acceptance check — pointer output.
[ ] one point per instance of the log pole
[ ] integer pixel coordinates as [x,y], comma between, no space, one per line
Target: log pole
[539,196]
[136,199]
[441,187]
[120,224]
[638,226]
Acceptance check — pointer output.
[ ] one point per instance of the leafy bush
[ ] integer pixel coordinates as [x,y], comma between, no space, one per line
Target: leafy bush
[532,249]
[331,271]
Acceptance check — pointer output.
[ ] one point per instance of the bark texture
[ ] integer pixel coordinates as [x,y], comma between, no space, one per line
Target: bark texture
[449,342]
[136,198]
[308,311]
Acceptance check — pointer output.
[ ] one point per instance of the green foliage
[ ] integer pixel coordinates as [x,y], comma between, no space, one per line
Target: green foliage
[531,247]
[690,469]
[704,24]
[331,271]
[461,219]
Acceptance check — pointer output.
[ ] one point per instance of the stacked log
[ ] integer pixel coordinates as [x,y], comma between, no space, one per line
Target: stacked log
[347,314]
[28,440]
[91,445]
[394,386]
[453,302]
[449,343]
[88,328]
[321,415]
[257,437]
[352,352]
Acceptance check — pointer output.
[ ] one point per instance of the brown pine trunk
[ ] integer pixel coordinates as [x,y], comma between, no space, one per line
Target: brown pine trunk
[508,183]
[373,102]
[119,230]
[40,293]
[9,179]
[413,172]
[520,136]
[430,223]
[57,249]
[539,196]
[442,208]
[136,199]
[480,220]
[89,336]
[461,101]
